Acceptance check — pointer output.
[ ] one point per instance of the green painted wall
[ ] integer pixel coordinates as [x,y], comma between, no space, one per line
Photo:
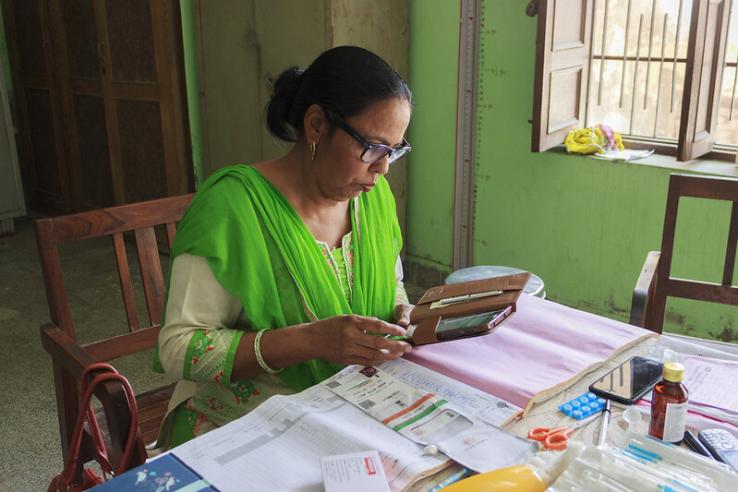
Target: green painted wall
[190,37]
[434,36]
[582,224]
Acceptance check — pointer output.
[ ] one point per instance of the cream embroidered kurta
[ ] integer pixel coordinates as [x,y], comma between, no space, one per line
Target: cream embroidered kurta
[204,325]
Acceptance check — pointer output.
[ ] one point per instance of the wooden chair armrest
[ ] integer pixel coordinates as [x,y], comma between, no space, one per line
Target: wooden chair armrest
[65,351]
[72,358]
[644,288]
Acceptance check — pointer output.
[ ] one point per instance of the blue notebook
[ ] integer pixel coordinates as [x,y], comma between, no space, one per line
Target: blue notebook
[164,474]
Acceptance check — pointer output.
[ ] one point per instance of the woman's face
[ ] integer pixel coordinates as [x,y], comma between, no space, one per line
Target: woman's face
[341,173]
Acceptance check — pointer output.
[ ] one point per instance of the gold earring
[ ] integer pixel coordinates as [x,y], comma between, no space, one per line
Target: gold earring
[313,148]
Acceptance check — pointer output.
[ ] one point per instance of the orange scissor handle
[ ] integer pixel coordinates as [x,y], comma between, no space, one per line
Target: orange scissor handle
[558,441]
[542,433]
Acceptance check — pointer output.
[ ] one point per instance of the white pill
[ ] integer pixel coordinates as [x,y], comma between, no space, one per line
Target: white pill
[430,449]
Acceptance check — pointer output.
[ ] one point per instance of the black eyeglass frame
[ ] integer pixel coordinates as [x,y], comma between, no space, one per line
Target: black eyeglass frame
[394,153]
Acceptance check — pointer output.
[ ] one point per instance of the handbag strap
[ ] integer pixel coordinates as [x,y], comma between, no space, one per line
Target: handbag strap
[86,413]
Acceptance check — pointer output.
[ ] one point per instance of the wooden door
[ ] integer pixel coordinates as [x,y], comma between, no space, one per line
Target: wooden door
[119,110]
[80,67]
[41,148]
[144,91]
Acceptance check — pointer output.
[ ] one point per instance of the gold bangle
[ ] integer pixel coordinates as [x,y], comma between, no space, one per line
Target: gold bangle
[259,357]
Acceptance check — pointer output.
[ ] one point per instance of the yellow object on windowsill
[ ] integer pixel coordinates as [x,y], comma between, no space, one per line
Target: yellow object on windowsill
[594,140]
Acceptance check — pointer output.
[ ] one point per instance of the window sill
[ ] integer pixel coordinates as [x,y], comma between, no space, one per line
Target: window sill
[700,166]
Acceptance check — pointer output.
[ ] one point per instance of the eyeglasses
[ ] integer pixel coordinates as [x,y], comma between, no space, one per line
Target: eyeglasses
[372,151]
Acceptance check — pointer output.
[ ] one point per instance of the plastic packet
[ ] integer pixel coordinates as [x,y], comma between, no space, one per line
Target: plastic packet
[643,464]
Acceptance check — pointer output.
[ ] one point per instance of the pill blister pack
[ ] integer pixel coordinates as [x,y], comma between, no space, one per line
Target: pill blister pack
[583,406]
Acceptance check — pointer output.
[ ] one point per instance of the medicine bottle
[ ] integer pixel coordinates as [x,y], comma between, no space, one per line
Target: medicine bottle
[669,405]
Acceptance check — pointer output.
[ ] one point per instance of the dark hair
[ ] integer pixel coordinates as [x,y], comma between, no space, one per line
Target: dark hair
[345,80]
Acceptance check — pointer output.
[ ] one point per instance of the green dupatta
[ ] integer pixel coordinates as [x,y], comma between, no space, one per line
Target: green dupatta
[260,251]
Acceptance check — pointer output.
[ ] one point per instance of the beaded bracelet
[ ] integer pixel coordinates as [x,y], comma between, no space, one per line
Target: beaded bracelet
[259,357]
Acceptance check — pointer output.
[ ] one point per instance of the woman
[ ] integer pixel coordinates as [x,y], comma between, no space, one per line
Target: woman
[285,271]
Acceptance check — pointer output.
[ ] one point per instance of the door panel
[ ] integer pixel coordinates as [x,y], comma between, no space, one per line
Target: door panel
[30,43]
[139,126]
[96,181]
[130,31]
[81,39]
[42,138]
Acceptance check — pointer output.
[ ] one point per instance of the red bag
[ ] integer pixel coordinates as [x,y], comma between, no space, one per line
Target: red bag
[65,481]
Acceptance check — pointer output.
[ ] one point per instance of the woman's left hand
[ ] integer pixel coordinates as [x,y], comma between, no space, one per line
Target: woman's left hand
[402,314]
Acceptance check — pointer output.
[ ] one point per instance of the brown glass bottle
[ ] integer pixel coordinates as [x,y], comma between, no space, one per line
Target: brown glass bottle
[669,405]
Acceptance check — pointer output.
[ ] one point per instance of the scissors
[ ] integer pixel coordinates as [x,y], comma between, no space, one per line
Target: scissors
[557,439]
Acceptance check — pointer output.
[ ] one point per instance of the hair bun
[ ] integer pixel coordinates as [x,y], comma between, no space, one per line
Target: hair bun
[288,81]
[279,109]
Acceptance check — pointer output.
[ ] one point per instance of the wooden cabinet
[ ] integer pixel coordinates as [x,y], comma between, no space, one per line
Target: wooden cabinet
[100,94]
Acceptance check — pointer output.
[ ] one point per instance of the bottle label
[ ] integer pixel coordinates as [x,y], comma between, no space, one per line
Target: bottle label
[675,422]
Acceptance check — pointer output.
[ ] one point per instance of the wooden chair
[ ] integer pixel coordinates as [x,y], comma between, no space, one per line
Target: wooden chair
[69,358]
[655,283]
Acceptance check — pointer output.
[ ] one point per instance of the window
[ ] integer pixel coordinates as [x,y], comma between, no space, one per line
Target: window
[658,71]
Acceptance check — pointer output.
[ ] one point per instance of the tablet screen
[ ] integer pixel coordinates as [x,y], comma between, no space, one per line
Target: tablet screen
[466,325]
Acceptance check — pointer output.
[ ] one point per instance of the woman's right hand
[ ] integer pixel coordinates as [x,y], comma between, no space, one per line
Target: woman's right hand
[352,339]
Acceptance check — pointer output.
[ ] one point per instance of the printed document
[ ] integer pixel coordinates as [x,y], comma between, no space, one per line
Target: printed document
[429,419]
[471,401]
[279,445]
[708,381]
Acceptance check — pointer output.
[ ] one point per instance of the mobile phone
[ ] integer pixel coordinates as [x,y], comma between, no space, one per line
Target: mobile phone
[721,444]
[472,325]
[628,382]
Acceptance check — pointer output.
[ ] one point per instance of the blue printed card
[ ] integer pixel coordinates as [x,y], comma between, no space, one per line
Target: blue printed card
[163,474]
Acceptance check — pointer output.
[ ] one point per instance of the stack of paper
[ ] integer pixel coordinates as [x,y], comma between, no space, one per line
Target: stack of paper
[531,356]
[279,445]
[430,419]
[711,385]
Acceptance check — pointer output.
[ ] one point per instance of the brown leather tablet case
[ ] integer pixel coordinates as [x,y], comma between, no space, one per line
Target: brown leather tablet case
[461,299]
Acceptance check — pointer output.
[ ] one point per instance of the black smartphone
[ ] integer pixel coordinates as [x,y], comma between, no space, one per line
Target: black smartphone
[472,325]
[628,382]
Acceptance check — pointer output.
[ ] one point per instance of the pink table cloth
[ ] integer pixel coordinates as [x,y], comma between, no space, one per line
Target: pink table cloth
[544,344]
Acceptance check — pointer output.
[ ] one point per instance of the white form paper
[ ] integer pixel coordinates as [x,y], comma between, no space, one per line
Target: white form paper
[712,382]
[429,419]
[468,399]
[278,446]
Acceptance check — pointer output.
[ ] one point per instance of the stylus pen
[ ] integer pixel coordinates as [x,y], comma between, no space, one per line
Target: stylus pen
[606,412]
[695,445]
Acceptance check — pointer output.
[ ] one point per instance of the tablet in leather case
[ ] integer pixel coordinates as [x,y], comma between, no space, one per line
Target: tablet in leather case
[465,298]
